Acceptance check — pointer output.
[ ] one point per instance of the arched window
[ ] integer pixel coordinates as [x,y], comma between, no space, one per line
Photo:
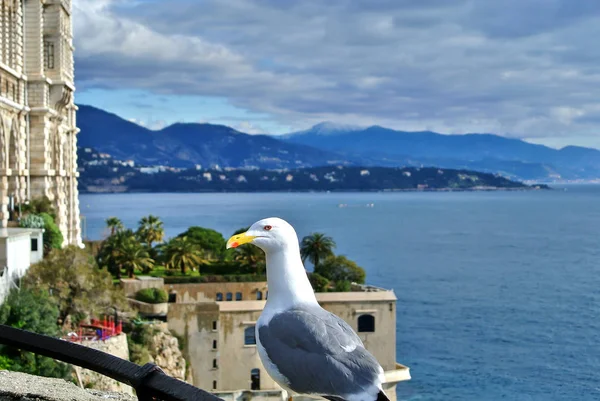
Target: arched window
[259,295]
[366,324]
[238,296]
[214,325]
[214,384]
[214,363]
[229,296]
[250,335]
[219,296]
[214,344]
[255,379]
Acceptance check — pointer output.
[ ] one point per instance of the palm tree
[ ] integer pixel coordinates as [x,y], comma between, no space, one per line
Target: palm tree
[181,253]
[316,247]
[112,249]
[133,256]
[251,256]
[150,230]
[114,224]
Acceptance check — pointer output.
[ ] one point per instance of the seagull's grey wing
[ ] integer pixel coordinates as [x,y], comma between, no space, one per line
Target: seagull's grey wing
[318,353]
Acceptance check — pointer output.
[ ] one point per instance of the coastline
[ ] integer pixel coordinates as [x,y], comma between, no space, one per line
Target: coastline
[541,187]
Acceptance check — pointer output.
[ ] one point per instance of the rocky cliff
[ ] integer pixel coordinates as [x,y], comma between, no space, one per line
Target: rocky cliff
[165,352]
[155,343]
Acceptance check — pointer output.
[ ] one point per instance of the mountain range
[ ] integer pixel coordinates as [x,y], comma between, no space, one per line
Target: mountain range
[209,145]
[189,145]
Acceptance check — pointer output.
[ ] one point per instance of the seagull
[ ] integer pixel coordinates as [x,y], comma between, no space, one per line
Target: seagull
[304,348]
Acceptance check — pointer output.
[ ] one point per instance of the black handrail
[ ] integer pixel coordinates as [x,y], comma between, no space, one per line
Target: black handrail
[149,381]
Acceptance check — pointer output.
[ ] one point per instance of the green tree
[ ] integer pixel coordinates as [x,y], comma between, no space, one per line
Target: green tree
[340,268]
[181,253]
[39,205]
[53,238]
[210,241]
[111,253]
[133,256]
[32,310]
[114,224]
[342,286]
[75,284]
[249,256]
[318,282]
[316,247]
[150,230]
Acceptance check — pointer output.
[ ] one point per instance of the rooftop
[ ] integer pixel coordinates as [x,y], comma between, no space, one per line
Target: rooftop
[17,232]
[247,306]
[359,296]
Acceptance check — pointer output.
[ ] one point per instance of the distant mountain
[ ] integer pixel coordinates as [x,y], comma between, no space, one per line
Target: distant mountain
[187,145]
[329,128]
[218,146]
[483,152]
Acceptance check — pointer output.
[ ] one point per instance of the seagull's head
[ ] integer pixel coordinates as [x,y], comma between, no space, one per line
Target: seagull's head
[270,235]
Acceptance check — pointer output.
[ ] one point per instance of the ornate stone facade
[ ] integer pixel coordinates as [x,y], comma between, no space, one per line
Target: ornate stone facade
[38,133]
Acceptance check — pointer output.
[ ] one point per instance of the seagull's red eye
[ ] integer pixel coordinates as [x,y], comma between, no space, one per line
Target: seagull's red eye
[268,228]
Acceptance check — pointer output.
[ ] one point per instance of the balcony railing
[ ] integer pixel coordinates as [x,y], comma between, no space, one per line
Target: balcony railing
[149,381]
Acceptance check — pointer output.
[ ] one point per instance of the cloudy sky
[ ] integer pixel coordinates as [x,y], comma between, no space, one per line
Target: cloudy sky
[521,68]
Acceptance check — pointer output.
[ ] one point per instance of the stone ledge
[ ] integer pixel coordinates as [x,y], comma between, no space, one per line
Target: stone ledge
[24,387]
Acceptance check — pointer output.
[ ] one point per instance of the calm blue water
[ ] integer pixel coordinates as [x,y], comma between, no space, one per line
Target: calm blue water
[498,293]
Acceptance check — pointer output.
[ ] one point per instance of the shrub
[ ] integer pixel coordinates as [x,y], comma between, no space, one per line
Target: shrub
[32,221]
[340,268]
[39,205]
[53,238]
[32,310]
[77,286]
[152,295]
[240,278]
[139,337]
[318,282]
[342,286]
[138,353]
[224,268]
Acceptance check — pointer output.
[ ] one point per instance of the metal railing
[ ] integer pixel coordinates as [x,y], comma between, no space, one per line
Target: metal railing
[149,381]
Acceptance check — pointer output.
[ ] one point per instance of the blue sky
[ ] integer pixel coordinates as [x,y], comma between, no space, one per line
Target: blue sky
[155,111]
[524,69]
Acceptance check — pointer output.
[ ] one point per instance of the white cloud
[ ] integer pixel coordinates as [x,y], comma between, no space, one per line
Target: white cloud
[249,128]
[524,69]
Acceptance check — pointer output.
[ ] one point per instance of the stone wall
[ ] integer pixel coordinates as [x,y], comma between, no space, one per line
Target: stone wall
[146,309]
[22,387]
[132,285]
[207,292]
[116,346]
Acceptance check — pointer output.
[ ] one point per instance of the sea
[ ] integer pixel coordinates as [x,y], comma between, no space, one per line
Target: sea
[498,292]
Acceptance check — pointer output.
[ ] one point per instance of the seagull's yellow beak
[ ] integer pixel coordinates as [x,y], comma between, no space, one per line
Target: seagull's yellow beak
[239,239]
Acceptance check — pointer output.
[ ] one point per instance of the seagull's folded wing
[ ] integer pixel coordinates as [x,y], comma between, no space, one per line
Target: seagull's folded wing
[318,353]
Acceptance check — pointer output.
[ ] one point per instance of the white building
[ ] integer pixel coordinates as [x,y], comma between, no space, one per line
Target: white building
[19,248]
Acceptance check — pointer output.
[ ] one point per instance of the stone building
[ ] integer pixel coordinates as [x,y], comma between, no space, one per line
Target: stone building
[218,322]
[38,133]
